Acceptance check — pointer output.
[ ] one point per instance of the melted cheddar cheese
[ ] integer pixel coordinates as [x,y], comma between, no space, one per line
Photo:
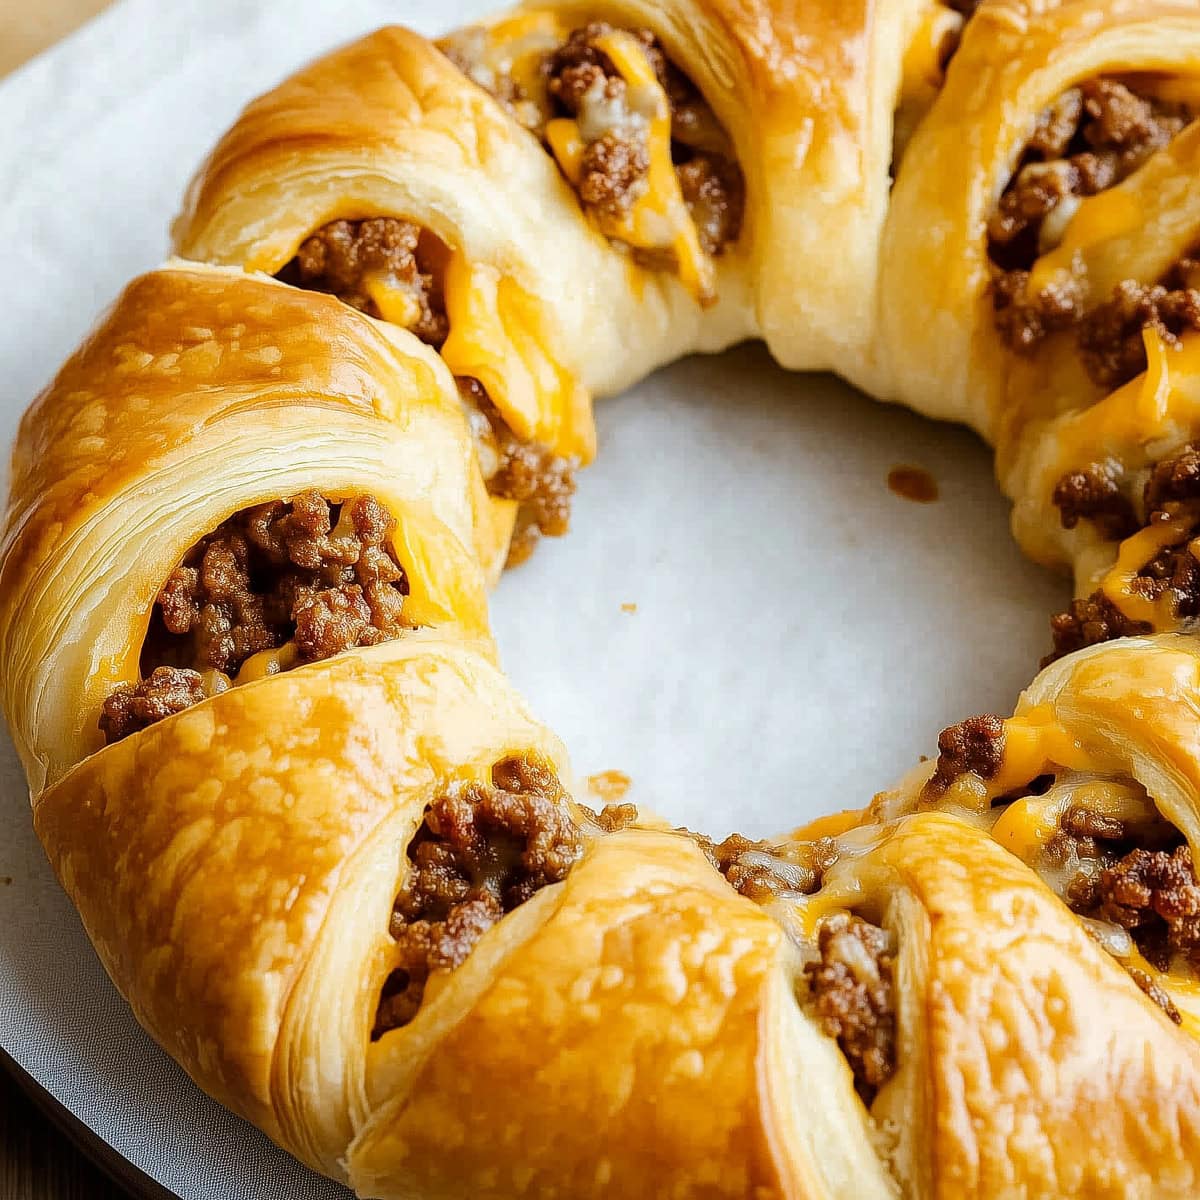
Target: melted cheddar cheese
[1120,584]
[658,219]
[397,301]
[1034,742]
[497,336]
[1146,410]
[520,44]
[268,662]
[1026,826]
[1097,219]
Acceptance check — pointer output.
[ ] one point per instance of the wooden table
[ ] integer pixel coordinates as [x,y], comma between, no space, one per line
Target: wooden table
[37,1161]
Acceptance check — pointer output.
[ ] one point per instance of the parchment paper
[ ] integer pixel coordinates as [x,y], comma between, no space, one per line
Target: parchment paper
[800,634]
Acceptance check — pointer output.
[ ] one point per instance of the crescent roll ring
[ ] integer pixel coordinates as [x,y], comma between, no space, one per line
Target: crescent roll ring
[322,847]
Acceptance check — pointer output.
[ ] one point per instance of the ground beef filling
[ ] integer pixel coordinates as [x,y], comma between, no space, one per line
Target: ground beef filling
[763,872]
[481,851]
[1089,621]
[851,994]
[1091,138]
[1110,336]
[345,258]
[1173,490]
[583,83]
[307,573]
[342,258]
[613,818]
[541,481]
[467,49]
[972,747]
[1095,494]
[168,690]
[1150,889]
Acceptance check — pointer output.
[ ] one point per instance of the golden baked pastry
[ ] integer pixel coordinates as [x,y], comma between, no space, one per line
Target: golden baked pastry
[321,846]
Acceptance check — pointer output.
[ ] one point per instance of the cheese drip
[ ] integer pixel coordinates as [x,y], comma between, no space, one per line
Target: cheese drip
[1148,410]
[1096,219]
[1131,424]
[658,219]
[497,336]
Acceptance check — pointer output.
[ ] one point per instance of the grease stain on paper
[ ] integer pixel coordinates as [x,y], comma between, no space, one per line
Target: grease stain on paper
[912,483]
[610,786]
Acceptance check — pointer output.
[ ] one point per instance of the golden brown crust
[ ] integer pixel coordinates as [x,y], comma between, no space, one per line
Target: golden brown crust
[204,392]
[636,1027]
[236,871]
[679,1112]
[1012,1019]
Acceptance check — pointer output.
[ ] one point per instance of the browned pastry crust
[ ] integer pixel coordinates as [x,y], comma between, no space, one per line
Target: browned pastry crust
[329,857]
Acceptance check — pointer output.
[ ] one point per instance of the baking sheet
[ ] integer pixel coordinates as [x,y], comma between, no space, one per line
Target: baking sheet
[745,620]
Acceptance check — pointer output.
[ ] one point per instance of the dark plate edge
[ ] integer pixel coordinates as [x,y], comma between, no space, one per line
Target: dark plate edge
[89,1143]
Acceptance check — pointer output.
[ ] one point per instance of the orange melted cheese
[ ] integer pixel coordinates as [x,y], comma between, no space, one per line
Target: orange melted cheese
[497,335]
[520,45]
[1120,584]
[1098,219]
[658,219]
[1026,826]
[397,302]
[1146,410]
[268,662]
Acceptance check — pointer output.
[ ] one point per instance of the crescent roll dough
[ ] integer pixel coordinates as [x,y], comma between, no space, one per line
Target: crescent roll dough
[322,847]
[891,284]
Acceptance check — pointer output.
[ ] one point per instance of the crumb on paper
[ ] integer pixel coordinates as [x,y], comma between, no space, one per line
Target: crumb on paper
[5,880]
[629,607]
[913,483]
[610,786]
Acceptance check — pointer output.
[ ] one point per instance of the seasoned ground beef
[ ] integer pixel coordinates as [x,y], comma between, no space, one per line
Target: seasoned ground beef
[972,747]
[130,708]
[482,850]
[1174,480]
[310,572]
[1024,319]
[1154,894]
[583,83]
[1091,138]
[1095,494]
[1110,336]
[613,173]
[1142,880]
[467,49]
[1102,851]
[1088,621]
[713,191]
[338,258]
[540,480]
[761,871]
[612,818]
[343,256]
[1172,490]
[1080,822]
[851,995]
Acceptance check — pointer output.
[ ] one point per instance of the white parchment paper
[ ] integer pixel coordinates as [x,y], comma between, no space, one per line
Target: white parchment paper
[800,634]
